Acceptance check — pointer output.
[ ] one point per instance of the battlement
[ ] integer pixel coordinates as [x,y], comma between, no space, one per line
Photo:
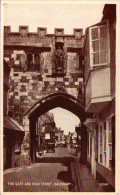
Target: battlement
[41,39]
[42,32]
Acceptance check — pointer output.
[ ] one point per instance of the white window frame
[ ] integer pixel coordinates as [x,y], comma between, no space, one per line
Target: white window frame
[91,52]
[89,145]
[99,153]
[107,165]
[104,144]
[108,144]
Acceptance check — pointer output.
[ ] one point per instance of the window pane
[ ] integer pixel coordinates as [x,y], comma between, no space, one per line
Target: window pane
[109,125]
[105,146]
[110,163]
[88,143]
[105,157]
[37,62]
[101,148]
[104,140]
[110,137]
[29,57]
[96,58]
[94,33]
[37,59]
[103,31]
[30,62]
[104,125]
[103,57]
[110,153]
[101,139]
[23,59]
[103,45]
[101,158]
[95,46]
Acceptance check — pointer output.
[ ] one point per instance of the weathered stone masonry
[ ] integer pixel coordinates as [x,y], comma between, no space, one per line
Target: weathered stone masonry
[28,86]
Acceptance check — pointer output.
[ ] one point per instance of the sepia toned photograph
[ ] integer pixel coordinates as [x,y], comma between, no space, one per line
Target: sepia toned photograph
[59,96]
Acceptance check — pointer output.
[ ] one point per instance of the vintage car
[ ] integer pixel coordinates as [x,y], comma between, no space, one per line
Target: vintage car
[49,142]
[50,146]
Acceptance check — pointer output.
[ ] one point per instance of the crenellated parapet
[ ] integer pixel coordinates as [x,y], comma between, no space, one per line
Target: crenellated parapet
[41,38]
[42,52]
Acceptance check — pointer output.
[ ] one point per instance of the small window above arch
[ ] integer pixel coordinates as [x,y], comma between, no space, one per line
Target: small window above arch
[29,61]
[36,62]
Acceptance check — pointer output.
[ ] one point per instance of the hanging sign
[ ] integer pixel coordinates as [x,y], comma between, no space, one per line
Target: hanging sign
[47,136]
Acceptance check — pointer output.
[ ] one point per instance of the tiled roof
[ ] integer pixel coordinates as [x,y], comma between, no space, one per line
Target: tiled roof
[11,124]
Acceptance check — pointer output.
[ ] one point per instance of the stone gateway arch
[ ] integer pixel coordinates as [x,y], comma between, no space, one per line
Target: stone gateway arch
[52,101]
[46,72]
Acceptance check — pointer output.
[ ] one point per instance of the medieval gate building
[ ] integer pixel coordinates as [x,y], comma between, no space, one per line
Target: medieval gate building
[46,72]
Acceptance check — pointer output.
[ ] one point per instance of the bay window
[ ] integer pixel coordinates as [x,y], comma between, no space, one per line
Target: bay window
[99,45]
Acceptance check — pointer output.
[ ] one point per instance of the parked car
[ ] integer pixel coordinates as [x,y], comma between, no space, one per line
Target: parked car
[50,146]
[61,143]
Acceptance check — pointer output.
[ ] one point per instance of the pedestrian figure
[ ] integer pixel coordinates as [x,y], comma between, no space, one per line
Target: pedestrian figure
[68,141]
[68,146]
[44,152]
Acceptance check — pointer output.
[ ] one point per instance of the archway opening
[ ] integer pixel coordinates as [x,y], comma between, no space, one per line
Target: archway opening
[61,100]
[55,133]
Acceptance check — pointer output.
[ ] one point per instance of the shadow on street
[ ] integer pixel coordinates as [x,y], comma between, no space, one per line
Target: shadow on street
[64,176]
[62,160]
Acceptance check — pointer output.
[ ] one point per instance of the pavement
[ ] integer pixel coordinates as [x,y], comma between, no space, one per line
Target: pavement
[18,169]
[84,179]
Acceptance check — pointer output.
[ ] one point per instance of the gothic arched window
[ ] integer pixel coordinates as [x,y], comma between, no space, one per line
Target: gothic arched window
[30,61]
[36,62]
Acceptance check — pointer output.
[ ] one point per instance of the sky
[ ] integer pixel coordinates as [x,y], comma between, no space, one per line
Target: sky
[68,16]
[65,119]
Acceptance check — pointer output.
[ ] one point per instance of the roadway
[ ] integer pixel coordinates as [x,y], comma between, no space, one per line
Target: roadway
[51,173]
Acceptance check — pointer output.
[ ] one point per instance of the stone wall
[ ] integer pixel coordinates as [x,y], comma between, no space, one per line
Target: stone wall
[26,87]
